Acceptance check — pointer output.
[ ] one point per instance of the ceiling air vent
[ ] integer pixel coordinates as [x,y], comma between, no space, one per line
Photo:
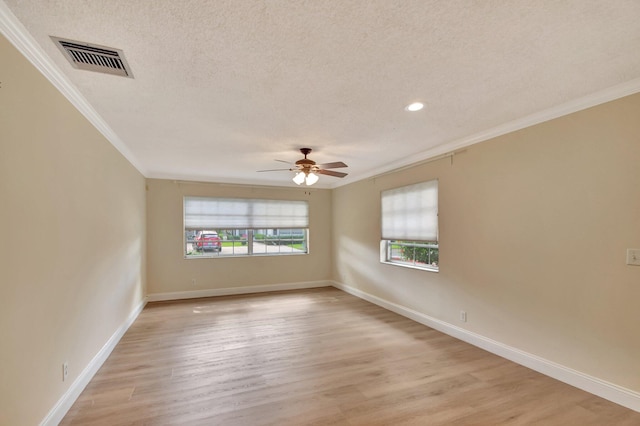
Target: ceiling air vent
[91,57]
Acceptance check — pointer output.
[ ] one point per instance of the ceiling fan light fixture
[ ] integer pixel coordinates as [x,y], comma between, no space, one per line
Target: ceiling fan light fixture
[299,178]
[307,171]
[311,179]
[416,106]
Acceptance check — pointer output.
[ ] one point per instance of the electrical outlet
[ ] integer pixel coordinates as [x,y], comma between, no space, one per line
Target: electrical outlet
[633,257]
[463,316]
[65,371]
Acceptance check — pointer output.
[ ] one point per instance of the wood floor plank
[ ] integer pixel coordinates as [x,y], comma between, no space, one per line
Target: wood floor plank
[316,357]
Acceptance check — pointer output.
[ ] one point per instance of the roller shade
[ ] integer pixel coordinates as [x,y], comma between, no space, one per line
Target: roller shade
[240,213]
[411,212]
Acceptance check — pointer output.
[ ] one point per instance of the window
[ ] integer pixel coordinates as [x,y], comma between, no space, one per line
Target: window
[410,226]
[216,227]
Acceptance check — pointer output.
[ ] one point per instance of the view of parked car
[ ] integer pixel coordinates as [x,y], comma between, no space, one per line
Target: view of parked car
[207,240]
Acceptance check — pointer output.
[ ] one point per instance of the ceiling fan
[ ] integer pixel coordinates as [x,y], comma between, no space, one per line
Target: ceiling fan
[307,170]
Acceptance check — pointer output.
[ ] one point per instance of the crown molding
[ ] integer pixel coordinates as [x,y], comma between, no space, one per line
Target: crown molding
[610,94]
[18,35]
[15,32]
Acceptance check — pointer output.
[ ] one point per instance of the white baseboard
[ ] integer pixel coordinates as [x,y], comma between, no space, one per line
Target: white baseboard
[601,388]
[57,413]
[614,393]
[230,291]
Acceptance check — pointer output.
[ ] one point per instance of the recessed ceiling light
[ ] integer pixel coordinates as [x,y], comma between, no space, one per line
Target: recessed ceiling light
[416,106]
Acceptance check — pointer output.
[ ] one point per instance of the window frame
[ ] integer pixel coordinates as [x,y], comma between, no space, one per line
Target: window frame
[212,206]
[387,258]
[422,195]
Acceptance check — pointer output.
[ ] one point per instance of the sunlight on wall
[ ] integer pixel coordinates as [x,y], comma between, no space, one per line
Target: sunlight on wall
[351,263]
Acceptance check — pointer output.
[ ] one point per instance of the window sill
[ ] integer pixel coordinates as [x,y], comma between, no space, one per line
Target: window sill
[410,266]
[232,256]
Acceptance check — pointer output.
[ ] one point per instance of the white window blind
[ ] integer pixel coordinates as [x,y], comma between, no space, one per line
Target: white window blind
[239,213]
[411,212]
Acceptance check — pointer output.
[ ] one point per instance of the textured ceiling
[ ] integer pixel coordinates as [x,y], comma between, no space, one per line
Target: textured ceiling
[222,88]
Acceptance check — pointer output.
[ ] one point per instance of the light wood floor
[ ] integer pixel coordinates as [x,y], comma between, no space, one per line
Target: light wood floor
[316,357]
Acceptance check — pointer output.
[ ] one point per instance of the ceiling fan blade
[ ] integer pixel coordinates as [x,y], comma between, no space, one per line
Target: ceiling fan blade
[282,161]
[276,170]
[335,165]
[331,173]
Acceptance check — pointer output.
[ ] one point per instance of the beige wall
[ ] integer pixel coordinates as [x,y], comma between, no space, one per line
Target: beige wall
[534,228]
[169,271]
[72,259]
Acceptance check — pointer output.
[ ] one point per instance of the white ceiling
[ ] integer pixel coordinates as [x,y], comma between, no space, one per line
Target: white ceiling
[223,88]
